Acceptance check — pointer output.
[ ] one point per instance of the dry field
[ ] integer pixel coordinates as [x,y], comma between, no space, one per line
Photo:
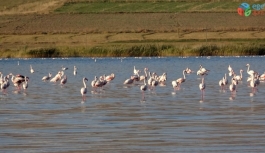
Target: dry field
[35,25]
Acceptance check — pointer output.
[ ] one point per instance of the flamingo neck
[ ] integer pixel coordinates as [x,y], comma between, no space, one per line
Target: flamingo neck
[84,83]
[184,74]
[248,68]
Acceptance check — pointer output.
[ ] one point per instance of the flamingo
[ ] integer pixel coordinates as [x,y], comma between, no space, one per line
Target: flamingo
[110,77]
[64,80]
[135,71]
[202,71]
[75,70]
[232,86]
[188,70]
[4,84]
[64,68]
[45,78]
[25,84]
[31,69]
[231,71]
[143,77]
[181,80]
[175,85]
[250,72]
[225,80]
[57,77]
[239,77]
[83,90]
[129,81]
[18,79]
[93,82]
[202,87]
[253,84]
[136,76]
[230,68]
[99,83]
[262,77]
[154,82]
[221,83]
[162,79]
[143,88]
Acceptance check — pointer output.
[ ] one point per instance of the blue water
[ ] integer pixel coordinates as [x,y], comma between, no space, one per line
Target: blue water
[49,117]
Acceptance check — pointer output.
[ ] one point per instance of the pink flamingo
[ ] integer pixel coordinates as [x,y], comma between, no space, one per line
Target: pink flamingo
[84,89]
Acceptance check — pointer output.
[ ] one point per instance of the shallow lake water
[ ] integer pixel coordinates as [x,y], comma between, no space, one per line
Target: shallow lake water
[48,117]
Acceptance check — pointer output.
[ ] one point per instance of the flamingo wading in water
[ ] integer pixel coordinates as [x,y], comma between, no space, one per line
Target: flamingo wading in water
[143,88]
[202,87]
[83,90]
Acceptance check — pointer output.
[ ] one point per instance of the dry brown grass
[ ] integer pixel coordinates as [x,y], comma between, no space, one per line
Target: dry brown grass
[18,42]
[40,7]
[128,23]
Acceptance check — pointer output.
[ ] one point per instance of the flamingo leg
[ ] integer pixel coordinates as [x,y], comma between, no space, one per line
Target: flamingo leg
[143,97]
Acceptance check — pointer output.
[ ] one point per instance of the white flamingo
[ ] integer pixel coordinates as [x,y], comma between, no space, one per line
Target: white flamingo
[143,88]
[154,82]
[64,80]
[31,69]
[262,77]
[250,72]
[18,79]
[225,80]
[75,70]
[93,82]
[162,79]
[83,90]
[110,77]
[202,71]
[175,85]
[230,68]
[239,77]
[221,83]
[25,84]
[45,78]
[135,71]
[231,71]
[181,80]
[188,70]
[202,87]
[143,77]
[253,84]
[57,77]
[64,68]
[232,86]
[129,81]
[4,84]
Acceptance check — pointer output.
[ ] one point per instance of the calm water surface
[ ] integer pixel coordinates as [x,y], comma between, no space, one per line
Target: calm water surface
[51,118]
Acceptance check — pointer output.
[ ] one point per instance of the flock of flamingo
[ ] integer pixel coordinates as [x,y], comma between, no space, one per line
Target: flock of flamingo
[149,80]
